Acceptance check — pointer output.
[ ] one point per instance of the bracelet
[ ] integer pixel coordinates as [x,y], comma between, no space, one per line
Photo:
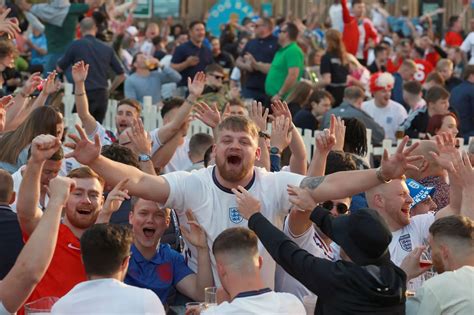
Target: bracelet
[380,177]
[80,94]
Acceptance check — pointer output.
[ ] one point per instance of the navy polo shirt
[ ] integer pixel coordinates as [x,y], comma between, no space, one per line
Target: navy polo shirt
[263,50]
[160,273]
[11,239]
[182,52]
[98,55]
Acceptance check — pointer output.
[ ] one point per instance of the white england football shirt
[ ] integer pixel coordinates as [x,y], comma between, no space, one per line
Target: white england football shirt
[215,206]
[409,237]
[389,117]
[313,243]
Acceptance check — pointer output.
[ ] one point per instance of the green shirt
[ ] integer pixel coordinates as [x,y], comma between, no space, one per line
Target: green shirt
[59,38]
[287,57]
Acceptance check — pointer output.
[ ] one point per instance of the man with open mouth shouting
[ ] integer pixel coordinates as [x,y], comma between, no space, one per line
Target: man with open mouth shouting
[208,191]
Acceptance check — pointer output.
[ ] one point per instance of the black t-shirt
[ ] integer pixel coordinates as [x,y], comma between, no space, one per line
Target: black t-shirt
[11,240]
[330,63]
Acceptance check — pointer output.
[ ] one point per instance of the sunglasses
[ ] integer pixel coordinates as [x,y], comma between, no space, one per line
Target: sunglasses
[218,77]
[340,207]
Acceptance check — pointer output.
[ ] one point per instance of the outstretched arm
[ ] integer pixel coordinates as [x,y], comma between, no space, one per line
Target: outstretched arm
[140,184]
[336,186]
[296,261]
[36,256]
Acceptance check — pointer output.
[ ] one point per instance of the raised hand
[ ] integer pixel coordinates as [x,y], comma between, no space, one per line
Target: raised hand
[5,103]
[395,166]
[59,189]
[115,198]
[43,147]
[80,71]
[226,112]
[32,83]
[196,235]
[301,198]
[325,142]
[465,171]
[446,144]
[207,114]
[84,150]
[196,85]
[139,137]
[280,108]
[280,137]
[338,129]
[9,26]
[50,85]
[259,116]
[246,203]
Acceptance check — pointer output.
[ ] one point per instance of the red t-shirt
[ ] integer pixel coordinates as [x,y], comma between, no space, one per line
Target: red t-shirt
[453,39]
[432,57]
[392,66]
[66,268]
[423,68]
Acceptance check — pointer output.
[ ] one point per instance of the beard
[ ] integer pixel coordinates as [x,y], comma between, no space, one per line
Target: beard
[82,222]
[233,173]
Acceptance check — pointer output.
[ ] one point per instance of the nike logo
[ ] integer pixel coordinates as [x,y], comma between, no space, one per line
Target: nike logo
[70,245]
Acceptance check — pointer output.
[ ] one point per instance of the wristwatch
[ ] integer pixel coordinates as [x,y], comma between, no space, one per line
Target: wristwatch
[144,158]
[380,177]
[275,151]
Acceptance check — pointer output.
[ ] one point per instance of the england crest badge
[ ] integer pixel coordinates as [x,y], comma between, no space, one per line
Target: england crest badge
[405,242]
[235,216]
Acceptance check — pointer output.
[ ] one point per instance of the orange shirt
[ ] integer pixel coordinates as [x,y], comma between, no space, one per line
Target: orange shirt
[66,268]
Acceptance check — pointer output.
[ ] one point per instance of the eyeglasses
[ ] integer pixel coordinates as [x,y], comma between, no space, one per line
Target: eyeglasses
[218,77]
[340,207]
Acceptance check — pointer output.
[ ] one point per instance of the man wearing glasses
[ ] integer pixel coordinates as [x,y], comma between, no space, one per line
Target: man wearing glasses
[215,91]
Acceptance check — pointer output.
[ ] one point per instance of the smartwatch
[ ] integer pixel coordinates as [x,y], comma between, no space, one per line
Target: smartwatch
[144,158]
[275,151]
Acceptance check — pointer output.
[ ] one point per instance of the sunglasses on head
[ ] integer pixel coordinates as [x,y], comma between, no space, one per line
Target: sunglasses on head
[340,207]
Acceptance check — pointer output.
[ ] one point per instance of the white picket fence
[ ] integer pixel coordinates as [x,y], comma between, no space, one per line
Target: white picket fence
[152,119]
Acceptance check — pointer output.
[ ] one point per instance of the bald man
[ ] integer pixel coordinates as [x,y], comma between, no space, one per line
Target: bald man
[392,201]
[430,173]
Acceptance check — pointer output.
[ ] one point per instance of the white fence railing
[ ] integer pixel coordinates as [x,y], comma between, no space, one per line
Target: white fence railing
[152,119]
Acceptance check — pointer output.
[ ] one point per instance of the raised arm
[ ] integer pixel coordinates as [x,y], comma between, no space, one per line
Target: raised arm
[296,261]
[195,86]
[346,15]
[140,184]
[42,148]
[141,144]
[193,285]
[259,115]
[336,186]
[80,71]
[168,74]
[37,253]
[50,86]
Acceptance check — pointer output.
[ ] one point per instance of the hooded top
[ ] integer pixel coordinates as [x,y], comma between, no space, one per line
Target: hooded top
[342,287]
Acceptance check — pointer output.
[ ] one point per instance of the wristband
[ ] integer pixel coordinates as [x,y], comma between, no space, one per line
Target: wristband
[380,177]
[80,94]
[262,134]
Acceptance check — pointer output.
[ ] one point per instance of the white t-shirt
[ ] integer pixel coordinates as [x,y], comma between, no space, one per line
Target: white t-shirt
[260,303]
[468,46]
[313,243]
[389,117]
[102,132]
[451,292]
[3,311]
[180,160]
[108,296]
[68,164]
[335,14]
[17,178]
[215,207]
[409,237]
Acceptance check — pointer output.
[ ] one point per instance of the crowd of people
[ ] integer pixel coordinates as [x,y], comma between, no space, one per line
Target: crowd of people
[124,220]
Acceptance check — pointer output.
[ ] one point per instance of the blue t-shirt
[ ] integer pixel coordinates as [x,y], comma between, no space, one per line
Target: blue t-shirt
[182,52]
[40,41]
[159,274]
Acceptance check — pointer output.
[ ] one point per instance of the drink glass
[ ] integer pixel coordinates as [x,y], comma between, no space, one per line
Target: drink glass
[400,133]
[210,296]
[41,306]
